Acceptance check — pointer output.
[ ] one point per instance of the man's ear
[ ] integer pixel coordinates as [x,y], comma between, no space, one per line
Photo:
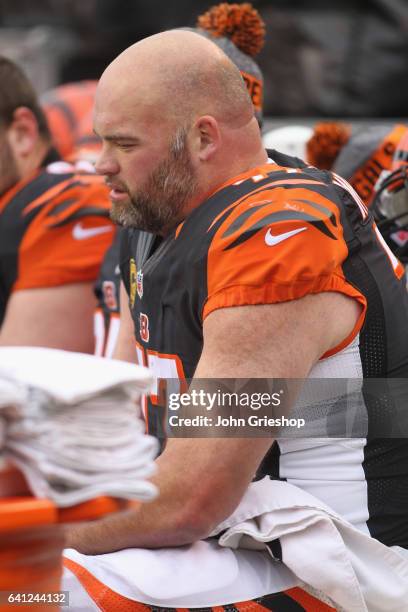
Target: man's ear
[23,132]
[208,137]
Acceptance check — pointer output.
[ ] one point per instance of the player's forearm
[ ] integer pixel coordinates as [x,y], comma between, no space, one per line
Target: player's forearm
[169,520]
[131,529]
[195,495]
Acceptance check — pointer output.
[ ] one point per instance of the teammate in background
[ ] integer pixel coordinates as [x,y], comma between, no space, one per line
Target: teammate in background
[54,229]
[69,112]
[259,268]
[390,204]
[239,31]
[359,156]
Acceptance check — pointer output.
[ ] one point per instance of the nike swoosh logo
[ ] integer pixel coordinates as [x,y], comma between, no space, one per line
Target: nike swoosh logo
[81,233]
[271,240]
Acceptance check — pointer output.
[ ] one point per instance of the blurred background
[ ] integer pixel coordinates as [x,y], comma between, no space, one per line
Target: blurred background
[322,58]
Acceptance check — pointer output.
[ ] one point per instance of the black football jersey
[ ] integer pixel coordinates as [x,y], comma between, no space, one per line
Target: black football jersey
[276,233]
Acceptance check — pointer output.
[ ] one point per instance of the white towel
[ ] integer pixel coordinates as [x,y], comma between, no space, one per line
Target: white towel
[73,424]
[323,550]
[322,553]
[71,377]
[200,575]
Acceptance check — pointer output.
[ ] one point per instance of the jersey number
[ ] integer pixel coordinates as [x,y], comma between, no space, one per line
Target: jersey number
[168,374]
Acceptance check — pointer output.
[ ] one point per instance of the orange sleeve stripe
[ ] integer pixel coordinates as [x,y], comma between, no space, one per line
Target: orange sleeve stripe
[309,602]
[47,195]
[271,185]
[88,182]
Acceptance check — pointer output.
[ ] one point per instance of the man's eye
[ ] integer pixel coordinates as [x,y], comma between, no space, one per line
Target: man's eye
[126,145]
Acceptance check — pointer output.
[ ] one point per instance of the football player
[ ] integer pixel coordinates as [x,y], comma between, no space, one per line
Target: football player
[239,31]
[360,155]
[237,265]
[54,226]
[390,205]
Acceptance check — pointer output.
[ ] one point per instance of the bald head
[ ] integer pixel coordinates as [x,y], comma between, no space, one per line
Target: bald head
[182,75]
[176,121]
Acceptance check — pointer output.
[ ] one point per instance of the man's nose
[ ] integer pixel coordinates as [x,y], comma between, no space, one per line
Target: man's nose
[106,164]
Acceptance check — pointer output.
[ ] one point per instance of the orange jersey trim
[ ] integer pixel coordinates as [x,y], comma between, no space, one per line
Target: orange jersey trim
[342,286]
[178,229]
[263,170]
[272,293]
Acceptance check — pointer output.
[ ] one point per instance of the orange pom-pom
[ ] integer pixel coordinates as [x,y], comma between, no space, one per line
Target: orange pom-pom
[325,144]
[241,23]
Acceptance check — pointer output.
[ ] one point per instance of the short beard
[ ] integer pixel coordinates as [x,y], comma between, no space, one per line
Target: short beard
[157,207]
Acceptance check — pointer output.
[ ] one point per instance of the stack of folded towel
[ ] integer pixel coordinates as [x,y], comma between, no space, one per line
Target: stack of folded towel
[72,423]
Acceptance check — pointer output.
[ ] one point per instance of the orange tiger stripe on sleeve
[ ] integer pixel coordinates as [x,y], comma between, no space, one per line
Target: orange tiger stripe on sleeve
[278,244]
